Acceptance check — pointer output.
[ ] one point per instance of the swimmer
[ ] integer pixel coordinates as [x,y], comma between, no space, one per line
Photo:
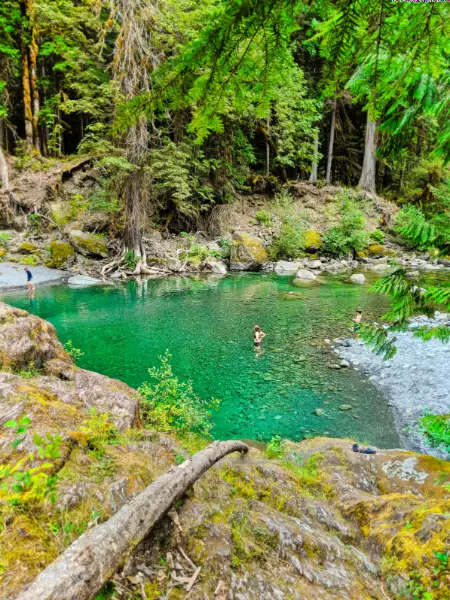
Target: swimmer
[357,320]
[258,336]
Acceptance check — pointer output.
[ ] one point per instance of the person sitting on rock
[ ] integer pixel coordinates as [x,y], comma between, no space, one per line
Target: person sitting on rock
[30,284]
[258,336]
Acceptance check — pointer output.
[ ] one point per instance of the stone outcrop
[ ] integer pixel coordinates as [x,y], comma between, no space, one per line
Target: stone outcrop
[62,255]
[88,244]
[247,253]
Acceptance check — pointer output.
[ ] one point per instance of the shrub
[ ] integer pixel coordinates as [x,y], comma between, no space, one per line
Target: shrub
[290,243]
[225,244]
[349,236]
[377,236]
[130,260]
[275,448]
[263,218]
[168,404]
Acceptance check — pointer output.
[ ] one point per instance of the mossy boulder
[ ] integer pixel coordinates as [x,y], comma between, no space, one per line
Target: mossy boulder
[28,248]
[88,244]
[376,250]
[25,338]
[247,253]
[62,255]
[313,241]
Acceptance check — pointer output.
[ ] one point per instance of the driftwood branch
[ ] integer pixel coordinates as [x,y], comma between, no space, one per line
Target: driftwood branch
[94,557]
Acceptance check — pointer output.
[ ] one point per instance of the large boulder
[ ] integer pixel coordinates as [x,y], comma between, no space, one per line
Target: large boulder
[88,244]
[62,255]
[305,275]
[247,253]
[358,278]
[285,267]
[26,339]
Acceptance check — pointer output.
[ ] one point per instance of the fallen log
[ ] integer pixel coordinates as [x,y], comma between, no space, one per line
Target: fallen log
[82,570]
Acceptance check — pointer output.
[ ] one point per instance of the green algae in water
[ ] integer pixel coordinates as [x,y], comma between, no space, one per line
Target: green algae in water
[207,325]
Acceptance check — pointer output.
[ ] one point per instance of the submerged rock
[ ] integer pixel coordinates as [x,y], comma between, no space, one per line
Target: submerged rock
[83,280]
[358,278]
[304,274]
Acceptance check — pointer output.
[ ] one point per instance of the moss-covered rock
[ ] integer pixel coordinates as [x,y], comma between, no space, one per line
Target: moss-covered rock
[247,253]
[89,244]
[313,241]
[62,255]
[28,248]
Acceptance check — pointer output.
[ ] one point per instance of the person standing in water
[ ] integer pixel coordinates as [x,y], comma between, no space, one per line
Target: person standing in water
[30,284]
[357,320]
[258,336]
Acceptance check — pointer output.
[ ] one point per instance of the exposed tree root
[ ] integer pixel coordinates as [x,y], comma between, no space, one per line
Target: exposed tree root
[95,556]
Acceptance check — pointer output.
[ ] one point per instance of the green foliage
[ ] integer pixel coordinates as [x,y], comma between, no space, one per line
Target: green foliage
[4,237]
[75,353]
[30,372]
[263,218]
[377,236]
[168,404]
[98,431]
[28,482]
[437,430]
[290,242]
[275,448]
[225,244]
[130,260]
[421,232]
[349,236]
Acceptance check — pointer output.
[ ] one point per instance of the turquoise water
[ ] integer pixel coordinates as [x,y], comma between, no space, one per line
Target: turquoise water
[207,325]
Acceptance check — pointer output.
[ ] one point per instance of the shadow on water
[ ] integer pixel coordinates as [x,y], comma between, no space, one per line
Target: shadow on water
[207,323]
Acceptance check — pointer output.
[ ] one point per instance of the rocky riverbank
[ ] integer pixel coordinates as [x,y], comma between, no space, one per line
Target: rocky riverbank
[316,520]
[416,380]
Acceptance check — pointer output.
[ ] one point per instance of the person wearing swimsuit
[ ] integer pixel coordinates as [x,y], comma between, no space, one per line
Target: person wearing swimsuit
[30,284]
[258,336]
[357,320]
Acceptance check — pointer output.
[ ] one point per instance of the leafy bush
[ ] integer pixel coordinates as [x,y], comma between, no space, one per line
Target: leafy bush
[130,260]
[23,484]
[275,448]
[168,404]
[263,218]
[437,430]
[98,430]
[349,236]
[377,236]
[4,237]
[290,243]
[225,244]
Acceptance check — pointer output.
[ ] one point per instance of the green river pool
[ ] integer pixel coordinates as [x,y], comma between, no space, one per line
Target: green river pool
[206,323]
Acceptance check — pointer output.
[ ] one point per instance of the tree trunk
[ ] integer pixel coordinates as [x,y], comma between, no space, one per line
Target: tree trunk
[267,146]
[33,51]
[367,180]
[92,559]
[28,111]
[331,142]
[313,176]
[4,176]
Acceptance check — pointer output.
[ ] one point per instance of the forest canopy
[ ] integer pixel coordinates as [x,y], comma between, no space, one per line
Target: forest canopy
[188,103]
